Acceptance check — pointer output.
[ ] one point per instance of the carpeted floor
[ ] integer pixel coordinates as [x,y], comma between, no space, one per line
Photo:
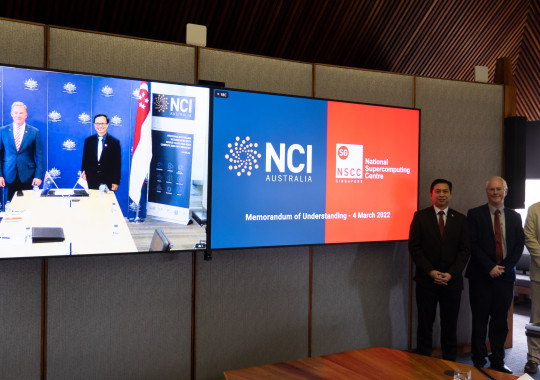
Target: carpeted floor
[516,357]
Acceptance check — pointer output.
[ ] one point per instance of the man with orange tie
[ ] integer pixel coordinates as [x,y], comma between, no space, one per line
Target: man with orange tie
[497,242]
[439,247]
[21,153]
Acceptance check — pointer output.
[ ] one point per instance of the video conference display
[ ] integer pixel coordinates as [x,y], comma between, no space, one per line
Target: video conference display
[296,171]
[62,106]
[284,170]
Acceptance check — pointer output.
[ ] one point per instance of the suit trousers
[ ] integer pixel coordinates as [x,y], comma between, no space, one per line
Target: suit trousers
[532,342]
[17,185]
[490,301]
[448,300]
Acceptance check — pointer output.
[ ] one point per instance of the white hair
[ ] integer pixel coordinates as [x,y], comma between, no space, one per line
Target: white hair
[18,104]
[497,177]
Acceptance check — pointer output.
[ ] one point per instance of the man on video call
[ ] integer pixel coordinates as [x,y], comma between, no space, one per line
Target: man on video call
[21,153]
[101,160]
[439,247]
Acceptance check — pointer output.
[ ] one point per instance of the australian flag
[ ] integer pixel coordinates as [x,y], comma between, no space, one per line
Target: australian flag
[48,183]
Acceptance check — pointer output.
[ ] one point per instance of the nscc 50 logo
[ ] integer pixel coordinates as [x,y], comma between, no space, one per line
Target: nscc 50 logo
[349,159]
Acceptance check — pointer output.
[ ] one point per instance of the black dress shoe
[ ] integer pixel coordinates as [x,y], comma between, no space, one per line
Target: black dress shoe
[501,368]
[531,367]
[479,364]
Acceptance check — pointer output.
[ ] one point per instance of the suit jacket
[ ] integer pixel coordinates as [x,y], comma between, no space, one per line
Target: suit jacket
[431,251]
[28,161]
[109,164]
[483,244]
[532,239]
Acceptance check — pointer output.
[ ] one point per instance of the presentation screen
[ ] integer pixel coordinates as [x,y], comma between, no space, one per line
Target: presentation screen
[154,154]
[301,171]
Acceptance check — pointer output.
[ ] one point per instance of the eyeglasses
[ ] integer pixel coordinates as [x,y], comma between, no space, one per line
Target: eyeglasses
[101,123]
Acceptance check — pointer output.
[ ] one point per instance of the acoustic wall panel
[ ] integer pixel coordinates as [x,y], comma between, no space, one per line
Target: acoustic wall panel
[252,309]
[249,72]
[360,297]
[363,86]
[346,307]
[120,317]
[20,319]
[119,56]
[460,137]
[22,43]
[460,140]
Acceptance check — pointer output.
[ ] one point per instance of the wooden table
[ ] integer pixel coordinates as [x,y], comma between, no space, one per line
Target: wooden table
[371,363]
[87,222]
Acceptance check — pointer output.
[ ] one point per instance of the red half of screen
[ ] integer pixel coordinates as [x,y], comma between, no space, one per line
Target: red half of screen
[378,206]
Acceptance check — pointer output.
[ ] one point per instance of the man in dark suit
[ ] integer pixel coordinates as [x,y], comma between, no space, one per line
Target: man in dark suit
[101,160]
[21,153]
[439,246]
[497,241]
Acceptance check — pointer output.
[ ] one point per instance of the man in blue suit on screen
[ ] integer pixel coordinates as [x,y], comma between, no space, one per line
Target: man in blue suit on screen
[21,153]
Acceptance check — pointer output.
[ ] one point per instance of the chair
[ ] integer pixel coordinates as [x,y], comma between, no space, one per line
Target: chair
[522,287]
[159,242]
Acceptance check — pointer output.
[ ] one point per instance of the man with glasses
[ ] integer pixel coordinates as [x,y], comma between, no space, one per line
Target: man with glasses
[101,160]
[21,153]
[497,241]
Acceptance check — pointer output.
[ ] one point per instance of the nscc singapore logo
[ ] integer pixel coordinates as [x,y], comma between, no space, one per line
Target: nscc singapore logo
[243,156]
[349,159]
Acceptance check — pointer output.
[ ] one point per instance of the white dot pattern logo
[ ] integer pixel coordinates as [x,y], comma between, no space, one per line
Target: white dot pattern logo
[243,156]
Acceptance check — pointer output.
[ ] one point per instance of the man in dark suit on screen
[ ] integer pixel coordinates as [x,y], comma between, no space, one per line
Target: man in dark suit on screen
[497,241]
[21,153]
[439,247]
[102,157]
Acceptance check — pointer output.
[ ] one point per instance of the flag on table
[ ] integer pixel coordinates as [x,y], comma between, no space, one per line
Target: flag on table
[142,149]
[82,182]
[48,183]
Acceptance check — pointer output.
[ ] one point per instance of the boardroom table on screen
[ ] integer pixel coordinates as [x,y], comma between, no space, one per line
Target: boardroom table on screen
[370,363]
[87,222]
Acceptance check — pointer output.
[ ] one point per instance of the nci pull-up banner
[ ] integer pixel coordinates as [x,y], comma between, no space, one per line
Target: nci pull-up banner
[178,113]
[297,171]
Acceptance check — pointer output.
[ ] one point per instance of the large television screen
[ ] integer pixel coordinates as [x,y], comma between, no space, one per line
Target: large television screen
[301,171]
[165,124]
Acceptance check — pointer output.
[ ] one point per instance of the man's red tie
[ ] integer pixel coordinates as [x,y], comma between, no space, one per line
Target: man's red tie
[498,238]
[18,138]
[441,222]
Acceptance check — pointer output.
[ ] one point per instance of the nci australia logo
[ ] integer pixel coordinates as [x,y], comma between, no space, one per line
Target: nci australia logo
[243,156]
[178,107]
[293,163]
